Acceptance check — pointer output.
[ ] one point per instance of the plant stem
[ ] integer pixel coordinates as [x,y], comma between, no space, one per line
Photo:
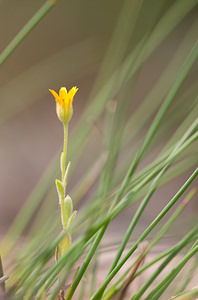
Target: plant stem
[188,277]
[63,162]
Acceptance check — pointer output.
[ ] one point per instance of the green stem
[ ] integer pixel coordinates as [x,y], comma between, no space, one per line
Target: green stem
[188,277]
[64,154]
[26,30]
[63,170]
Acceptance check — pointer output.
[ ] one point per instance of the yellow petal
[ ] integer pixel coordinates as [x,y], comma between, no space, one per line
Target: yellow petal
[56,96]
[63,93]
[72,93]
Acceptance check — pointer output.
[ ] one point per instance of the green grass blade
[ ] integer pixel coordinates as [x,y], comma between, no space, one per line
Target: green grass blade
[26,30]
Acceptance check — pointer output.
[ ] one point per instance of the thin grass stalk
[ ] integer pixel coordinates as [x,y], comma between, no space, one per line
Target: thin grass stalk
[115,139]
[188,277]
[94,274]
[86,182]
[122,33]
[26,30]
[82,287]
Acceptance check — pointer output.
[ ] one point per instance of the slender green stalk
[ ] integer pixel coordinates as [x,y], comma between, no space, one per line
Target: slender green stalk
[26,30]
[63,161]
[83,285]
[188,277]
[94,274]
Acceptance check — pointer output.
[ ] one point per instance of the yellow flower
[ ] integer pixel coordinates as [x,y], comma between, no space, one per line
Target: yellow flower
[64,101]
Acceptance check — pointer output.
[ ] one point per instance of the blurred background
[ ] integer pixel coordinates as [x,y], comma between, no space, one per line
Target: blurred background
[69,48]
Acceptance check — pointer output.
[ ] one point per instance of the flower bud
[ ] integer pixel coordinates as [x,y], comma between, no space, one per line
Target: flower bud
[64,101]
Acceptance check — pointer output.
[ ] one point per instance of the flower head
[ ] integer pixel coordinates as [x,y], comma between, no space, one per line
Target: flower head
[64,101]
